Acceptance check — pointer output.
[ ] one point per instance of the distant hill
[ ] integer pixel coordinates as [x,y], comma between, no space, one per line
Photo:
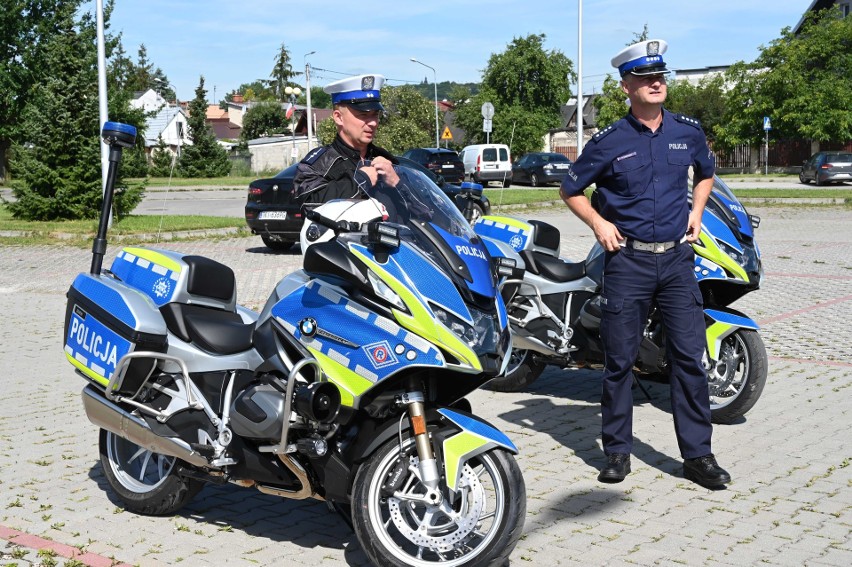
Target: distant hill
[427,89]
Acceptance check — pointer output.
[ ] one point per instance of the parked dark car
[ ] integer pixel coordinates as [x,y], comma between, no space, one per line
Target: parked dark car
[827,167]
[444,162]
[540,168]
[273,212]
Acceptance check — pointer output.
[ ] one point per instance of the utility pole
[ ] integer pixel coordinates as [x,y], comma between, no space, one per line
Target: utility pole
[308,95]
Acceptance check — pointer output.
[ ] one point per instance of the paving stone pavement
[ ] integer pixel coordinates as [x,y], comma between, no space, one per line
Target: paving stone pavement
[790,502]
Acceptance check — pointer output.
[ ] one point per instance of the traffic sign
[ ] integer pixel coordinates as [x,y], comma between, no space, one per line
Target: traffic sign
[447,135]
[487,110]
[486,125]
[767,125]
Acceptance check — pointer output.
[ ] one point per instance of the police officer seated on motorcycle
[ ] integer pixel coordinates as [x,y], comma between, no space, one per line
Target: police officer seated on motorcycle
[639,165]
[352,164]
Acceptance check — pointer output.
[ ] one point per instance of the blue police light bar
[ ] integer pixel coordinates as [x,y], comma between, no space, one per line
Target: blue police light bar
[118,134]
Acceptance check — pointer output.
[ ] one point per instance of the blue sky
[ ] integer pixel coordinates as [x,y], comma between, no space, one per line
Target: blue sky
[235,42]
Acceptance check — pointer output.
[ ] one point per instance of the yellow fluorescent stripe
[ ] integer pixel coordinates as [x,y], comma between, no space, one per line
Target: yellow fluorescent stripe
[509,221]
[421,321]
[715,333]
[155,257]
[348,382]
[456,448]
[87,371]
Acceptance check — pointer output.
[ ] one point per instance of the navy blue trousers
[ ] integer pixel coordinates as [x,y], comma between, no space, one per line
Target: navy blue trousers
[632,280]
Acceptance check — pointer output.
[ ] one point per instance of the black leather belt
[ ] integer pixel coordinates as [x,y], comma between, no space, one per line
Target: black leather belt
[655,247]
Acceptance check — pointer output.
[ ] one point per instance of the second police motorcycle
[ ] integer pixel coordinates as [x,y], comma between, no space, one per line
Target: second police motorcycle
[348,386]
[554,311]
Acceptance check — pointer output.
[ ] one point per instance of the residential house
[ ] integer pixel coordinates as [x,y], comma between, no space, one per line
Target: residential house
[564,139]
[817,5]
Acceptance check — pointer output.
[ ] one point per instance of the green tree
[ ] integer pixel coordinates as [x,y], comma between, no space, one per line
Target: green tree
[320,98]
[23,26]
[57,157]
[801,81]
[611,105]
[326,131]
[409,121]
[282,73]
[264,119]
[705,101]
[161,159]
[205,157]
[527,86]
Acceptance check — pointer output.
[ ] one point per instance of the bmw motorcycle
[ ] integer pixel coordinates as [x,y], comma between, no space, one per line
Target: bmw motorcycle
[348,386]
[554,310]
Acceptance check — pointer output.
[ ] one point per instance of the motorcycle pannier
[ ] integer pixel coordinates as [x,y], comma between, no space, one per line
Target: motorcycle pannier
[106,319]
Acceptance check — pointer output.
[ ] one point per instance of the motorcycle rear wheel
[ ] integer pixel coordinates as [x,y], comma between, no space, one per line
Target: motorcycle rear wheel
[737,379]
[480,527]
[523,370]
[144,481]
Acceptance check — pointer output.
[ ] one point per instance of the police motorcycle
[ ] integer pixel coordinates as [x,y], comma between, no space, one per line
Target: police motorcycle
[555,313]
[348,386]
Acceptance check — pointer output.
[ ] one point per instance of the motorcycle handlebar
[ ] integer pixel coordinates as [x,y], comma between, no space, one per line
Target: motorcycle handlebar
[336,226]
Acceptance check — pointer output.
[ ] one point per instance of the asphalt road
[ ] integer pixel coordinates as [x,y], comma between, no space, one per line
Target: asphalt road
[229,202]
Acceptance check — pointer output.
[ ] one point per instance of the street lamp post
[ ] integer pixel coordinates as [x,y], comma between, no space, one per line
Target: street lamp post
[308,95]
[435,80]
[293,92]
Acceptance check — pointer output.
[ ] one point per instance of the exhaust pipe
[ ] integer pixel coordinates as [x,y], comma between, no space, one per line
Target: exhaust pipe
[531,343]
[111,417]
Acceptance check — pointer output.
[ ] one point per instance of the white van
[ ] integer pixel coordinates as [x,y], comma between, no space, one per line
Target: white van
[487,162]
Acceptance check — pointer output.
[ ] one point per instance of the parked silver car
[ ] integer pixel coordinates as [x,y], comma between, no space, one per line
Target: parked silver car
[827,167]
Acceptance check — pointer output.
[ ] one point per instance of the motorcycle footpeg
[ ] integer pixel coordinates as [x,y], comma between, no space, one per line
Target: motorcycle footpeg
[208,451]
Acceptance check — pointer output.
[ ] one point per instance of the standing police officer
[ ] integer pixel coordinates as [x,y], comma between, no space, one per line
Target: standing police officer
[351,164]
[640,167]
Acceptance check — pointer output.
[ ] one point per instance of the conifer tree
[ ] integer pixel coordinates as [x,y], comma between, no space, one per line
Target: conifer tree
[205,157]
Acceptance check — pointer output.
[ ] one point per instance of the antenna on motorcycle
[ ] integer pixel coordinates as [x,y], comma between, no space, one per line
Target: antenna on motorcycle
[117,136]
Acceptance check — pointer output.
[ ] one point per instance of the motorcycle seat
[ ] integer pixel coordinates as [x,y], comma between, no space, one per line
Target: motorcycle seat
[552,268]
[215,330]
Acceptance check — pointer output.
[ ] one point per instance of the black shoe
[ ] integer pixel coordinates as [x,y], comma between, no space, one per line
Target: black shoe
[617,467]
[706,472]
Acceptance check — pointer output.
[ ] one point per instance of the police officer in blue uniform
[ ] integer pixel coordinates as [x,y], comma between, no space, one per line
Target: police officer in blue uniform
[349,166]
[642,218]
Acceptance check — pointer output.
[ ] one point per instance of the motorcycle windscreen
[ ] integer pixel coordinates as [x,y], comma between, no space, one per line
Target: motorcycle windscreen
[417,200]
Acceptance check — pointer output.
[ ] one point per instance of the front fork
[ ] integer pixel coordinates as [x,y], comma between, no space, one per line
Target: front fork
[428,466]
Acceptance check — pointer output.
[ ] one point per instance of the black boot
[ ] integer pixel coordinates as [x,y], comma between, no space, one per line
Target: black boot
[617,467]
[706,472]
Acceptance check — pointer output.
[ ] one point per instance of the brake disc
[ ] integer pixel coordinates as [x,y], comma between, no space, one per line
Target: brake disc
[441,528]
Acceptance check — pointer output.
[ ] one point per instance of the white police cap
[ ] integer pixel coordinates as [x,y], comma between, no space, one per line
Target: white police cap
[643,58]
[362,92]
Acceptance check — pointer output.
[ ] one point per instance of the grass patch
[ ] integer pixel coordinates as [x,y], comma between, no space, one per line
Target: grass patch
[215,182]
[839,193]
[81,232]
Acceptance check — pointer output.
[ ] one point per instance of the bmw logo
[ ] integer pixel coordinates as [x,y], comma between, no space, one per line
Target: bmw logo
[308,327]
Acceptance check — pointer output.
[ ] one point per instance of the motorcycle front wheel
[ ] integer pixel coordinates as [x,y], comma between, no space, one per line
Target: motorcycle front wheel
[737,379]
[479,525]
[144,481]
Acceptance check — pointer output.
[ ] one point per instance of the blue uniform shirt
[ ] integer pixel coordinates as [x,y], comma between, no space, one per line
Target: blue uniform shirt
[641,176]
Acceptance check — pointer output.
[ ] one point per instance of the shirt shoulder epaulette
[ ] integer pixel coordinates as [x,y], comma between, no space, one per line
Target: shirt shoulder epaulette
[601,134]
[314,155]
[687,120]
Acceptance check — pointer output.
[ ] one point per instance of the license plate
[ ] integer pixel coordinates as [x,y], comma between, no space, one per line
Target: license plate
[560,165]
[450,166]
[273,215]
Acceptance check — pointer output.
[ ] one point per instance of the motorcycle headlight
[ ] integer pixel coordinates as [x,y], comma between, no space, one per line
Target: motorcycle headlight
[735,254]
[482,337]
[384,291]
